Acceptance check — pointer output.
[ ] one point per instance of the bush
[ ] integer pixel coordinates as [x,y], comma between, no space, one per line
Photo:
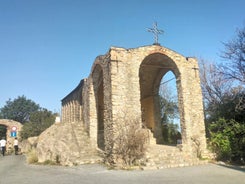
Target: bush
[228,140]
[32,156]
[170,133]
[220,144]
[129,144]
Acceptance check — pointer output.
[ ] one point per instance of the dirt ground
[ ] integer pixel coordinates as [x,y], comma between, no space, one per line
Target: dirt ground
[14,169]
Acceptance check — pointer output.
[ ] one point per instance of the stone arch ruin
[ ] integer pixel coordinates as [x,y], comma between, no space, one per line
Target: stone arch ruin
[9,124]
[127,80]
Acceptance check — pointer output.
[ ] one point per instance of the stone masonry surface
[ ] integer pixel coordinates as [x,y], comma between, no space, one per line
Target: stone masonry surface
[126,81]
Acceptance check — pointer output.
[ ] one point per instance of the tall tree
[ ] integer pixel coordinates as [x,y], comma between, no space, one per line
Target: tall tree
[39,121]
[214,87]
[19,109]
[213,83]
[234,55]
[234,65]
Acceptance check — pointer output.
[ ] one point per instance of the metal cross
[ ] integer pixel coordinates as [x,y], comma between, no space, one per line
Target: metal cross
[156,32]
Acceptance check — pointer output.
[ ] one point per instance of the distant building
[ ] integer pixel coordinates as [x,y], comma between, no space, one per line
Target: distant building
[57,119]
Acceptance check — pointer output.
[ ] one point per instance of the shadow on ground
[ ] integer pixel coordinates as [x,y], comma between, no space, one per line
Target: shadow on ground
[238,168]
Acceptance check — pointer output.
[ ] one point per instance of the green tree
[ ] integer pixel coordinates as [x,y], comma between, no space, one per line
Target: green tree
[169,109]
[39,121]
[19,109]
[228,140]
[170,133]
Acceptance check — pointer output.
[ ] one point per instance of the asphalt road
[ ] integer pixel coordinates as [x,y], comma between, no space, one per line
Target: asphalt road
[14,170]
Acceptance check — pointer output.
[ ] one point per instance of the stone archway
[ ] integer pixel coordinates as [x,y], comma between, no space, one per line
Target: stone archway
[126,81]
[189,93]
[9,125]
[151,71]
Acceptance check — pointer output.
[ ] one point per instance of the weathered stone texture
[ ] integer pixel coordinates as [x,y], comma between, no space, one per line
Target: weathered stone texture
[67,144]
[72,105]
[126,82]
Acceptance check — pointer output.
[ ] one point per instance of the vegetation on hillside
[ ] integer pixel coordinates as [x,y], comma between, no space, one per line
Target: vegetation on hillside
[34,118]
[39,121]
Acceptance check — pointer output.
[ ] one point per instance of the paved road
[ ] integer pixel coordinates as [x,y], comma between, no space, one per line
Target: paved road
[14,170]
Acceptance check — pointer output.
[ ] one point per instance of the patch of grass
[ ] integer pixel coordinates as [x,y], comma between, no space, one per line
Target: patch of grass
[32,157]
[52,162]
[49,162]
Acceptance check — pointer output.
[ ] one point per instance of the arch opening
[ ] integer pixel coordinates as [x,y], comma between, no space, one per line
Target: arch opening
[169,110]
[98,86]
[3,131]
[152,71]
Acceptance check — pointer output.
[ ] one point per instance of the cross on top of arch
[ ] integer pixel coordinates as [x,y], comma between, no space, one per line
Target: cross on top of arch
[155,32]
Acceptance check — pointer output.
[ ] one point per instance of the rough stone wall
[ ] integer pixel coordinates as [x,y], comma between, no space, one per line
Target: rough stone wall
[125,67]
[68,144]
[125,81]
[100,106]
[72,105]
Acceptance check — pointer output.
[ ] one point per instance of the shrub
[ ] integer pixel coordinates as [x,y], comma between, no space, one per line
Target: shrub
[32,156]
[220,144]
[129,144]
[228,140]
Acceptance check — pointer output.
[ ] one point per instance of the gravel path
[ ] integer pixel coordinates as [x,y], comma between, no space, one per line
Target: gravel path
[13,169]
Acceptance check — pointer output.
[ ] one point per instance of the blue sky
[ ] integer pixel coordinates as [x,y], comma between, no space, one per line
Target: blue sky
[48,46]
